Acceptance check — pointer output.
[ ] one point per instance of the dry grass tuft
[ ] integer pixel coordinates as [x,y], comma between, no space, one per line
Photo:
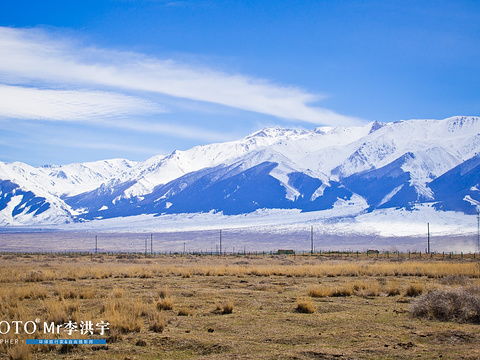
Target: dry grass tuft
[330,291]
[34,276]
[70,292]
[158,323]
[392,289]
[364,288]
[367,288]
[184,312]
[414,290]
[164,293]
[118,293]
[319,292]
[60,311]
[305,307]
[33,291]
[103,270]
[125,315]
[165,304]
[124,322]
[457,304]
[225,308]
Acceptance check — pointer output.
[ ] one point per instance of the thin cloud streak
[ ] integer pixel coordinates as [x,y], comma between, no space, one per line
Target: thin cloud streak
[68,105]
[98,108]
[34,54]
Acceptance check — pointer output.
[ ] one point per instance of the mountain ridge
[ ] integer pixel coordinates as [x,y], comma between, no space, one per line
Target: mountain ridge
[397,164]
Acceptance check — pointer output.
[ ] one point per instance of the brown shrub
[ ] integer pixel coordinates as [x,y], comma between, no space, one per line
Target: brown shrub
[455,280]
[458,304]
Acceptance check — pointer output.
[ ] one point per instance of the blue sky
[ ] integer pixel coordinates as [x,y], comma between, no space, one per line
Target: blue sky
[89,80]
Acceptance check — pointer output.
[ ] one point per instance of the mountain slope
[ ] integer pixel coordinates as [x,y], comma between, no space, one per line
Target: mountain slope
[19,207]
[385,165]
[459,188]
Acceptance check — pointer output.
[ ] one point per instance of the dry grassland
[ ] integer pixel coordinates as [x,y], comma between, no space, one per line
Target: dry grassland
[244,307]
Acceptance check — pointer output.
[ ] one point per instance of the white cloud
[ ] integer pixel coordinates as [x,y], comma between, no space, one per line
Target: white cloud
[68,105]
[94,107]
[33,54]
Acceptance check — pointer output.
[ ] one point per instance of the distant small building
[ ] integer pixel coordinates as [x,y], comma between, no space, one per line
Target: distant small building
[285,252]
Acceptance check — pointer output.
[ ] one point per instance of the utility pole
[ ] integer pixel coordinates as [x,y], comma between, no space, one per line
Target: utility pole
[220,241]
[428,238]
[184,248]
[96,244]
[151,244]
[146,246]
[311,240]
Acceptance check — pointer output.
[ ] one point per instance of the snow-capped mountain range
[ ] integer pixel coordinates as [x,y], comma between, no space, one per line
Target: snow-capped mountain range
[369,167]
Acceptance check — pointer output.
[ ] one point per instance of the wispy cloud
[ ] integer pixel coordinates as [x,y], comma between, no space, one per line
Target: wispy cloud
[68,105]
[98,108]
[35,54]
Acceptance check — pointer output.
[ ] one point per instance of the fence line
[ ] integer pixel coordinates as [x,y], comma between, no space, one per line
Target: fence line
[393,255]
[245,241]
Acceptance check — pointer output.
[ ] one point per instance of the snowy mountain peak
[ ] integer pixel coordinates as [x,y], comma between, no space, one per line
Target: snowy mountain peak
[458,123]
[376,125]
[276,132]
[378,164]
